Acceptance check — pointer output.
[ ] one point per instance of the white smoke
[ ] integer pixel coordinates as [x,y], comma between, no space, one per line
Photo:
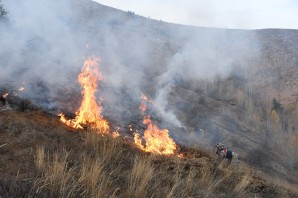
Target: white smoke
[46,41]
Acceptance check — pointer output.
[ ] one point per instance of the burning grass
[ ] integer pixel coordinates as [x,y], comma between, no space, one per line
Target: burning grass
[89,112]
[157,140]
[109,168]
[64,164]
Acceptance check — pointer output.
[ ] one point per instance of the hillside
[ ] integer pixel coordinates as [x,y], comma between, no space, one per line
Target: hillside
[218,81]
[42,158]
[208,85]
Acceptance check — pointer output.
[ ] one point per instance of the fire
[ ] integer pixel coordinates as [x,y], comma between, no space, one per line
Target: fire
[156,140]
[89,112]
[115,134]
[181,155]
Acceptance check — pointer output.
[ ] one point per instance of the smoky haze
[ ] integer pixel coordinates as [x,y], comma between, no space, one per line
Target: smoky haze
[202,80]
[43,44]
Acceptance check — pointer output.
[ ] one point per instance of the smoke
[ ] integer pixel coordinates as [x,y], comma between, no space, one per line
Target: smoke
[39,48]
[44,43]
[185,70]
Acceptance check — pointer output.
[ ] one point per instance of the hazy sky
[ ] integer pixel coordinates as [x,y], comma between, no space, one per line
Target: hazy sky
[247,14]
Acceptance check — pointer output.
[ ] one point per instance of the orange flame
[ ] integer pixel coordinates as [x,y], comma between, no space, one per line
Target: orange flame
[181,155]
[115,134]
[157,140]
[89,112]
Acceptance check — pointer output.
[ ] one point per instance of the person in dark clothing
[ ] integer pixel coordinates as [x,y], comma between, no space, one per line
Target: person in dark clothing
[228,155]
[223,153]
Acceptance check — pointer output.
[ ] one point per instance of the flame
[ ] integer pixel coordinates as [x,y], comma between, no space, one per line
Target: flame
[5,95]
[89,112]
[156,140]
[115,134]
[181,155]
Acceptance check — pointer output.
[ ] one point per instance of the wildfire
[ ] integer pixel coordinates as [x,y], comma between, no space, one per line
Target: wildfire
[115,134]
[157,140]
[89,112]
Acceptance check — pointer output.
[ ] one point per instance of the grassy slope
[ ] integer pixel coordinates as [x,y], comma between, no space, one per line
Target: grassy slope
[45,159]
[237,109]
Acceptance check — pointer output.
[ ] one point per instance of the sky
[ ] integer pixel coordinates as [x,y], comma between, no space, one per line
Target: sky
[240,14]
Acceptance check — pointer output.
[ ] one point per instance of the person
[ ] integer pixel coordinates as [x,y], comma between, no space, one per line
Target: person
[218,149]
[228,154]
[224,153]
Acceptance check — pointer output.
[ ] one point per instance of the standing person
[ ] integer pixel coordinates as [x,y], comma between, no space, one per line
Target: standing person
[218,149]
[228,154]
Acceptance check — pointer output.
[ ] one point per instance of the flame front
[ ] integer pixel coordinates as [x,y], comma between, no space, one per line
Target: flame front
[89,112]
[156,140]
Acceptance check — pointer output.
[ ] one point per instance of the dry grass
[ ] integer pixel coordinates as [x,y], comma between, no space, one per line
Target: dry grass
[40,158]
[89,172]
[56,175]
[91,165]
[182,184]
[106,167]
[141,175]
[243,183]
[94,179]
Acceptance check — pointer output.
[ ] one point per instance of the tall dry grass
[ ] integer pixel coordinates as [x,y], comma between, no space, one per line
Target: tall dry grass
[140,176]
[106,167]
[40,158]
[92,165]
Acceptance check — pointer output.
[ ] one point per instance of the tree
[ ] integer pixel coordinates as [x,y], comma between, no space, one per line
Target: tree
[2,10]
